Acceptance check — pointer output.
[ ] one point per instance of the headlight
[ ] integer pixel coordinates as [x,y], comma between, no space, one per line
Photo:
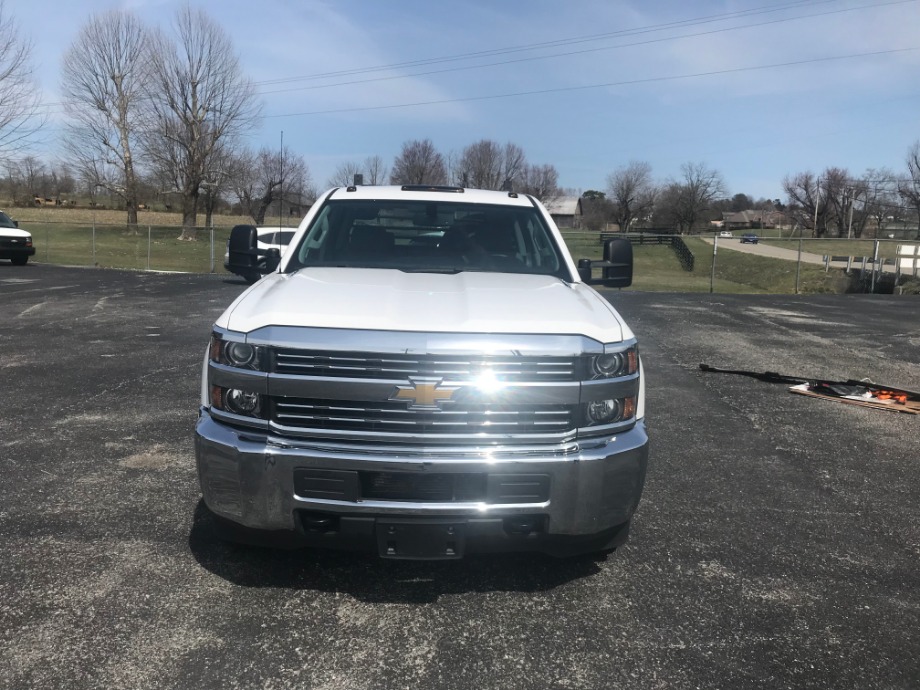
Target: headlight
[236,354]
[240,354]
[615,364]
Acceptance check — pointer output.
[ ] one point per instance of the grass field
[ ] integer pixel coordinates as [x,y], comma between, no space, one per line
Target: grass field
[87,216]
[656,268]
[157,247]
[754,273]
[147,248]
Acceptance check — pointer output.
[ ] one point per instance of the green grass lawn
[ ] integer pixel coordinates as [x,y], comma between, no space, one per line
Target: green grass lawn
[765,274]
[656,266]
[120,247]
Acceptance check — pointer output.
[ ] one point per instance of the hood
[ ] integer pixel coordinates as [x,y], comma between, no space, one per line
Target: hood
[392,300]
[15,232]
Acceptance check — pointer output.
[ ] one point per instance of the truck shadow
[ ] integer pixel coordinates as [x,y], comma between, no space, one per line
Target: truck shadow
[372,579]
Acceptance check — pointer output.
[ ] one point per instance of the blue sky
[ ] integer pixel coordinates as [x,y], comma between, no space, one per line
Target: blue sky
[576,108]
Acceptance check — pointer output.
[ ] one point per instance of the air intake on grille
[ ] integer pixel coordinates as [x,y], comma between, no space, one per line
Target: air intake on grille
[378,366]
[386,416]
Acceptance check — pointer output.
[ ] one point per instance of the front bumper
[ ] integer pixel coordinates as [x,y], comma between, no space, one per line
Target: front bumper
[587,492]
[16,252]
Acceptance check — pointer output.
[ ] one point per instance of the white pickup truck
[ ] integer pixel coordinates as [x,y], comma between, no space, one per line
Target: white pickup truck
[425,373]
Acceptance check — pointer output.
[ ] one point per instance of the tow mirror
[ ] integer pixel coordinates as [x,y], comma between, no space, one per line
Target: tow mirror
[272,259]
[242,249]
[616,268]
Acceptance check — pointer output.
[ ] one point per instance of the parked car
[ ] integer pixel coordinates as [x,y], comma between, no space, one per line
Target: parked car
[749,238]
[268,238]
[15,244]
[725,233]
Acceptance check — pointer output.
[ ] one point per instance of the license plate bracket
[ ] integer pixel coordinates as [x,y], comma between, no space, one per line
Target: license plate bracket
[421,539]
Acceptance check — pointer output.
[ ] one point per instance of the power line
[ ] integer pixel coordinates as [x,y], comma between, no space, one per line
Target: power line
[560,42]
[574,52]
[549,44]
[629,82]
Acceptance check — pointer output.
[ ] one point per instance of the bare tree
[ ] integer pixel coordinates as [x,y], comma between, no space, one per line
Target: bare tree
[218,180]
[632,193]
[687,202]
[375,171]
[20,100]
[489,165]
[419,163]
[344,175]
[199,99]
[909,189]
[836,185]
[32,170]
[596,210]
[828,198]
[261,179]
[102,83]
[881,200]
[804,197]
[540,181]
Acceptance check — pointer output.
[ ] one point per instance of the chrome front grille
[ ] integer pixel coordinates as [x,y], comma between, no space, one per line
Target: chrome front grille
[364,365]
[394,417]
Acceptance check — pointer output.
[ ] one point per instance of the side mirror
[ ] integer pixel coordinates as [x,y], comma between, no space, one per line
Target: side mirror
[618,260]
[272,259]
[16,223]
[616,268]
[243,253]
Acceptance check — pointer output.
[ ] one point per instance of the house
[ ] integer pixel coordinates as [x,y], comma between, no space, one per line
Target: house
[566,211]
[744,220]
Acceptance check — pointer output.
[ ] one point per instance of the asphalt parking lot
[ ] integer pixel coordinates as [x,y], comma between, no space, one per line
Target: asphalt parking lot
[777,544]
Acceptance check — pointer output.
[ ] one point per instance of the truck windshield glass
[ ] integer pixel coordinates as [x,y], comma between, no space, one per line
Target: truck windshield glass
[423,236]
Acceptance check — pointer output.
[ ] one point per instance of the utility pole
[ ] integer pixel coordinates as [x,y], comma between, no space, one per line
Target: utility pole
[851,199]
[814,230]
[281,186]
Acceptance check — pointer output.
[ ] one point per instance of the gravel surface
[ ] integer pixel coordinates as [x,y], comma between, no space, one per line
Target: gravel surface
[777,544]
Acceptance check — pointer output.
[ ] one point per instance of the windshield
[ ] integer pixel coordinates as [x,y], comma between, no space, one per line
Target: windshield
[6,221]
[427,236]
[283,237]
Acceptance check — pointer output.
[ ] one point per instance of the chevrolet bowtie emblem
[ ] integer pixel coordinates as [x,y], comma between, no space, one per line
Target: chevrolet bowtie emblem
[424,395]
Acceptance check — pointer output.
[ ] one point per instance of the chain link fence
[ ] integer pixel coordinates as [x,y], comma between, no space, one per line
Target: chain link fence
[663,262]
[142,247]
[771,264]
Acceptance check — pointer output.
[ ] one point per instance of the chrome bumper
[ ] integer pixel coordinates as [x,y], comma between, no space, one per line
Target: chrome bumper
[249,478]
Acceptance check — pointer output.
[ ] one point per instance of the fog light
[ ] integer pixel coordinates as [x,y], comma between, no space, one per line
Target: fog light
[242,402]
[604,411]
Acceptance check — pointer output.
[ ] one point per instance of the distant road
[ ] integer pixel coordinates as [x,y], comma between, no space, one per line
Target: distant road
[761,249]
[766,250]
